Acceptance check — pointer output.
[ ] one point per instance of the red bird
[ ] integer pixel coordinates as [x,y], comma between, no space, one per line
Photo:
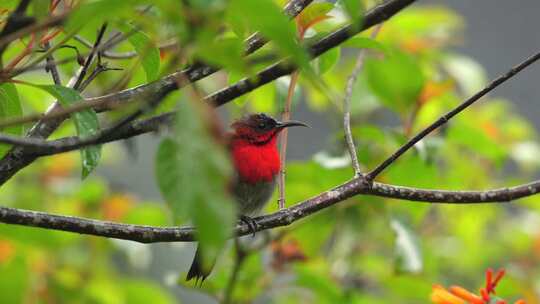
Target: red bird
[253,146]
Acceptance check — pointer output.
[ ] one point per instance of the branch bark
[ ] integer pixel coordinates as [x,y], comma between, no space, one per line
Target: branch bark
[284,217]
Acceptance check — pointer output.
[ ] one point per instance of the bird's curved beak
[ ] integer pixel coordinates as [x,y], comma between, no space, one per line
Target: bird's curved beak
[291,123]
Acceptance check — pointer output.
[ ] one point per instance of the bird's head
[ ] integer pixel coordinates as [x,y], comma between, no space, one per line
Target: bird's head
[260,128]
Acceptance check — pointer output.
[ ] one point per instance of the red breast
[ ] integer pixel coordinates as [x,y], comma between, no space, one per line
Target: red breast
[255,162]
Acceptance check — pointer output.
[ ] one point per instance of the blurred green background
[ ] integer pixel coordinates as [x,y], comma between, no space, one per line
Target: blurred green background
[363,250]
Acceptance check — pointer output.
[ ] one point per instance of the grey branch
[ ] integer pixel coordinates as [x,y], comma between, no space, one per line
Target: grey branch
[284,217]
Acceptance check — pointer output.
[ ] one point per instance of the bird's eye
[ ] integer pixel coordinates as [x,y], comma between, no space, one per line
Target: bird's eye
[262,125]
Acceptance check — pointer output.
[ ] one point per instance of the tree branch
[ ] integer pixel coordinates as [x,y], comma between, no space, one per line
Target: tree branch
[17,158]
[444,119]
[284,217]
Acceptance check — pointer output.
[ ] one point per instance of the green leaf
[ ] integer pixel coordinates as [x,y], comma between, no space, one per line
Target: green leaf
[426,21]
[318,281]
[192,173]
[169,176]
[365,43]
[92,192]
[10,106]
[354,10]
[265,17]
[425,173]
[407,253]
[101,290]
[92,14]
[314,13]
[146,49]
[40,8]
[328,60]
[147,214]
[142,291]
[397,80]
[86,123]
[15,280]
[230,55]
[472,137]
[263,99]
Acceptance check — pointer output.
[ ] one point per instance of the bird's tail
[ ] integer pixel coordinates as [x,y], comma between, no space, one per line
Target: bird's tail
[198,270]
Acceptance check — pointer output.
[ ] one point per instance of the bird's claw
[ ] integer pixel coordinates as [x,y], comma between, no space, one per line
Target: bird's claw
[250,222]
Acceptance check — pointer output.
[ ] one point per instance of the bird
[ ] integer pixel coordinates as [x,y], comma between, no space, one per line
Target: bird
[253,148]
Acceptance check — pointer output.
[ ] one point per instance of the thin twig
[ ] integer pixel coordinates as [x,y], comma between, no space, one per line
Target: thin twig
[33,63]
[285,115]
[165,46]
[32,28]
[51,66]
[100,68]
[18,71]
[90,57]
[444,119]
[284,217]
[347,103]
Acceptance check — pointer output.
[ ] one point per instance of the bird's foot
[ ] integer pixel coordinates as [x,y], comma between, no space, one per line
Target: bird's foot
[250,222]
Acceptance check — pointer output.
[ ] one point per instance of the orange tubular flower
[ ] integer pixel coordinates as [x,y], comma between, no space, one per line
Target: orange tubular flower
[459,295]
[466,295]
[440,295]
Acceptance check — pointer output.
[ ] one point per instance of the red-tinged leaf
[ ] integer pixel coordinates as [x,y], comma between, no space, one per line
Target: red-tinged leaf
[312,15]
